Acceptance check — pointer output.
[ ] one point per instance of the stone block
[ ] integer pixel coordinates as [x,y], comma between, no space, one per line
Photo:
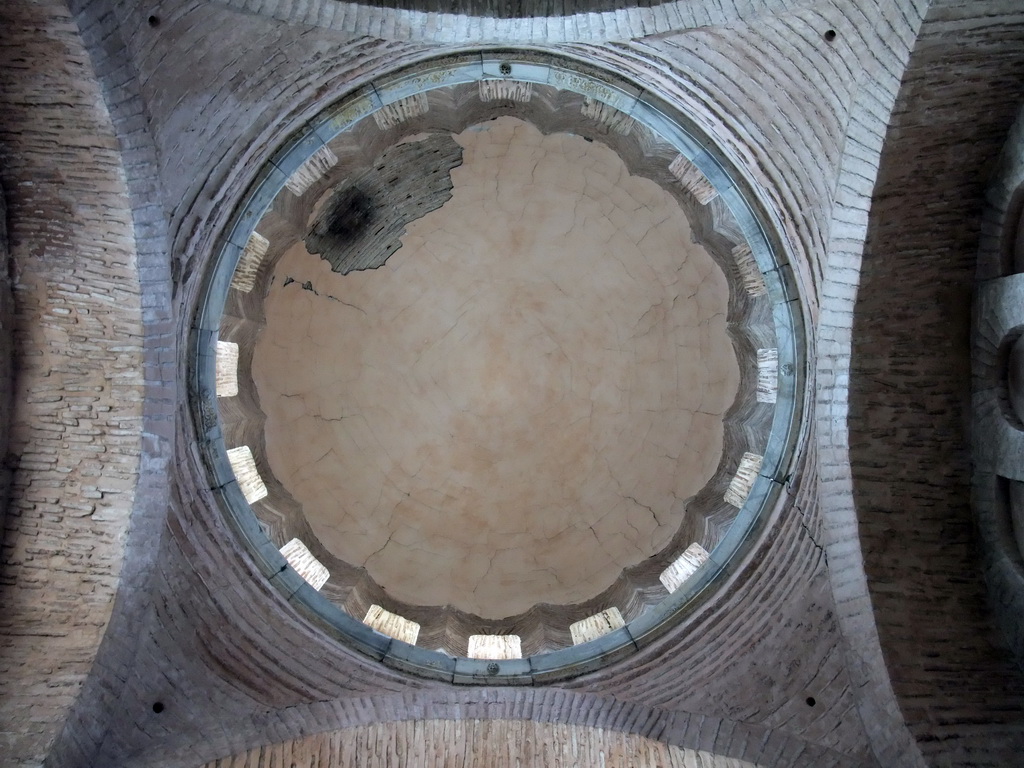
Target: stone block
[495,647]
[244,278]
[307,174]
[305,564]
[244,466]
[392,625]
[684,566]
[596,626]
[743,481]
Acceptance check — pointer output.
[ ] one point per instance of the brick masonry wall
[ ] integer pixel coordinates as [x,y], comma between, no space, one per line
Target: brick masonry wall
[958,688]
[782,101]
[1001,249]
[435,22]
[76,428]
[866,126]
[213,128]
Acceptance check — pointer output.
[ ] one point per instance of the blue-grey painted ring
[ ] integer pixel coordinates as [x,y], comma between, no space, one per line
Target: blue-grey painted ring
[753,218]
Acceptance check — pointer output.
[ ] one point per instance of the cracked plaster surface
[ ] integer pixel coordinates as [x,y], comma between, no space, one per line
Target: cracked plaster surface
[519,403]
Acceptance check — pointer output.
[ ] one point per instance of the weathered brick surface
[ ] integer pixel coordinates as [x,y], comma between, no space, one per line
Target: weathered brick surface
[961,694]
[372,209]
[475,742]
[877,705]
[76,430]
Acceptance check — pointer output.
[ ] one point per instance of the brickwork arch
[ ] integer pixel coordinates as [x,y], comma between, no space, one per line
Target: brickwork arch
[435,743]
[80,389]
[909,379]
[543,714]
[996,401]
[510,23]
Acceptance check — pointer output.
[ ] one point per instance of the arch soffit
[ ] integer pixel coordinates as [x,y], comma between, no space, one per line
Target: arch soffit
[427,25]
[549,709]
[102,290]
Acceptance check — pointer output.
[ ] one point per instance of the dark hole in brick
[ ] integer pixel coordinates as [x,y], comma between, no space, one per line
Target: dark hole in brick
[351,211]
[360,225]
[830,35]
[810,701]
[154,21]
[158,707]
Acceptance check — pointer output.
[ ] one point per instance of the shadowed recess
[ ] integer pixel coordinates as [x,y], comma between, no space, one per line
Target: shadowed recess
[361,222]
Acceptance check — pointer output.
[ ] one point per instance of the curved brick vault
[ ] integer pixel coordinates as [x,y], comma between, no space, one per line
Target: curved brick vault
[855,631]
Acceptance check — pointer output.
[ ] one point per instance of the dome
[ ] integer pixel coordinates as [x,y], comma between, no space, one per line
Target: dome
[499,359]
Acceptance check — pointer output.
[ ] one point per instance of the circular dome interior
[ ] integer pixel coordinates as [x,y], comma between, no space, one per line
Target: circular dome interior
[503,415]
[497,360]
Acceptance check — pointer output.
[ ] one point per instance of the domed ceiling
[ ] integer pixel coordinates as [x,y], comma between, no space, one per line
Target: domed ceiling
[520,402]
[499,361]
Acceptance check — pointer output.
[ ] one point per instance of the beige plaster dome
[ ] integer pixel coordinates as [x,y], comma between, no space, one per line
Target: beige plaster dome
[520,402]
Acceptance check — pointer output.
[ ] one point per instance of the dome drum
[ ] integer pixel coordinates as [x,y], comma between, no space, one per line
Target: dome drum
[749,219]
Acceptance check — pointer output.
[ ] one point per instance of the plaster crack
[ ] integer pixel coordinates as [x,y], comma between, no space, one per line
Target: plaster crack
[649,509]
